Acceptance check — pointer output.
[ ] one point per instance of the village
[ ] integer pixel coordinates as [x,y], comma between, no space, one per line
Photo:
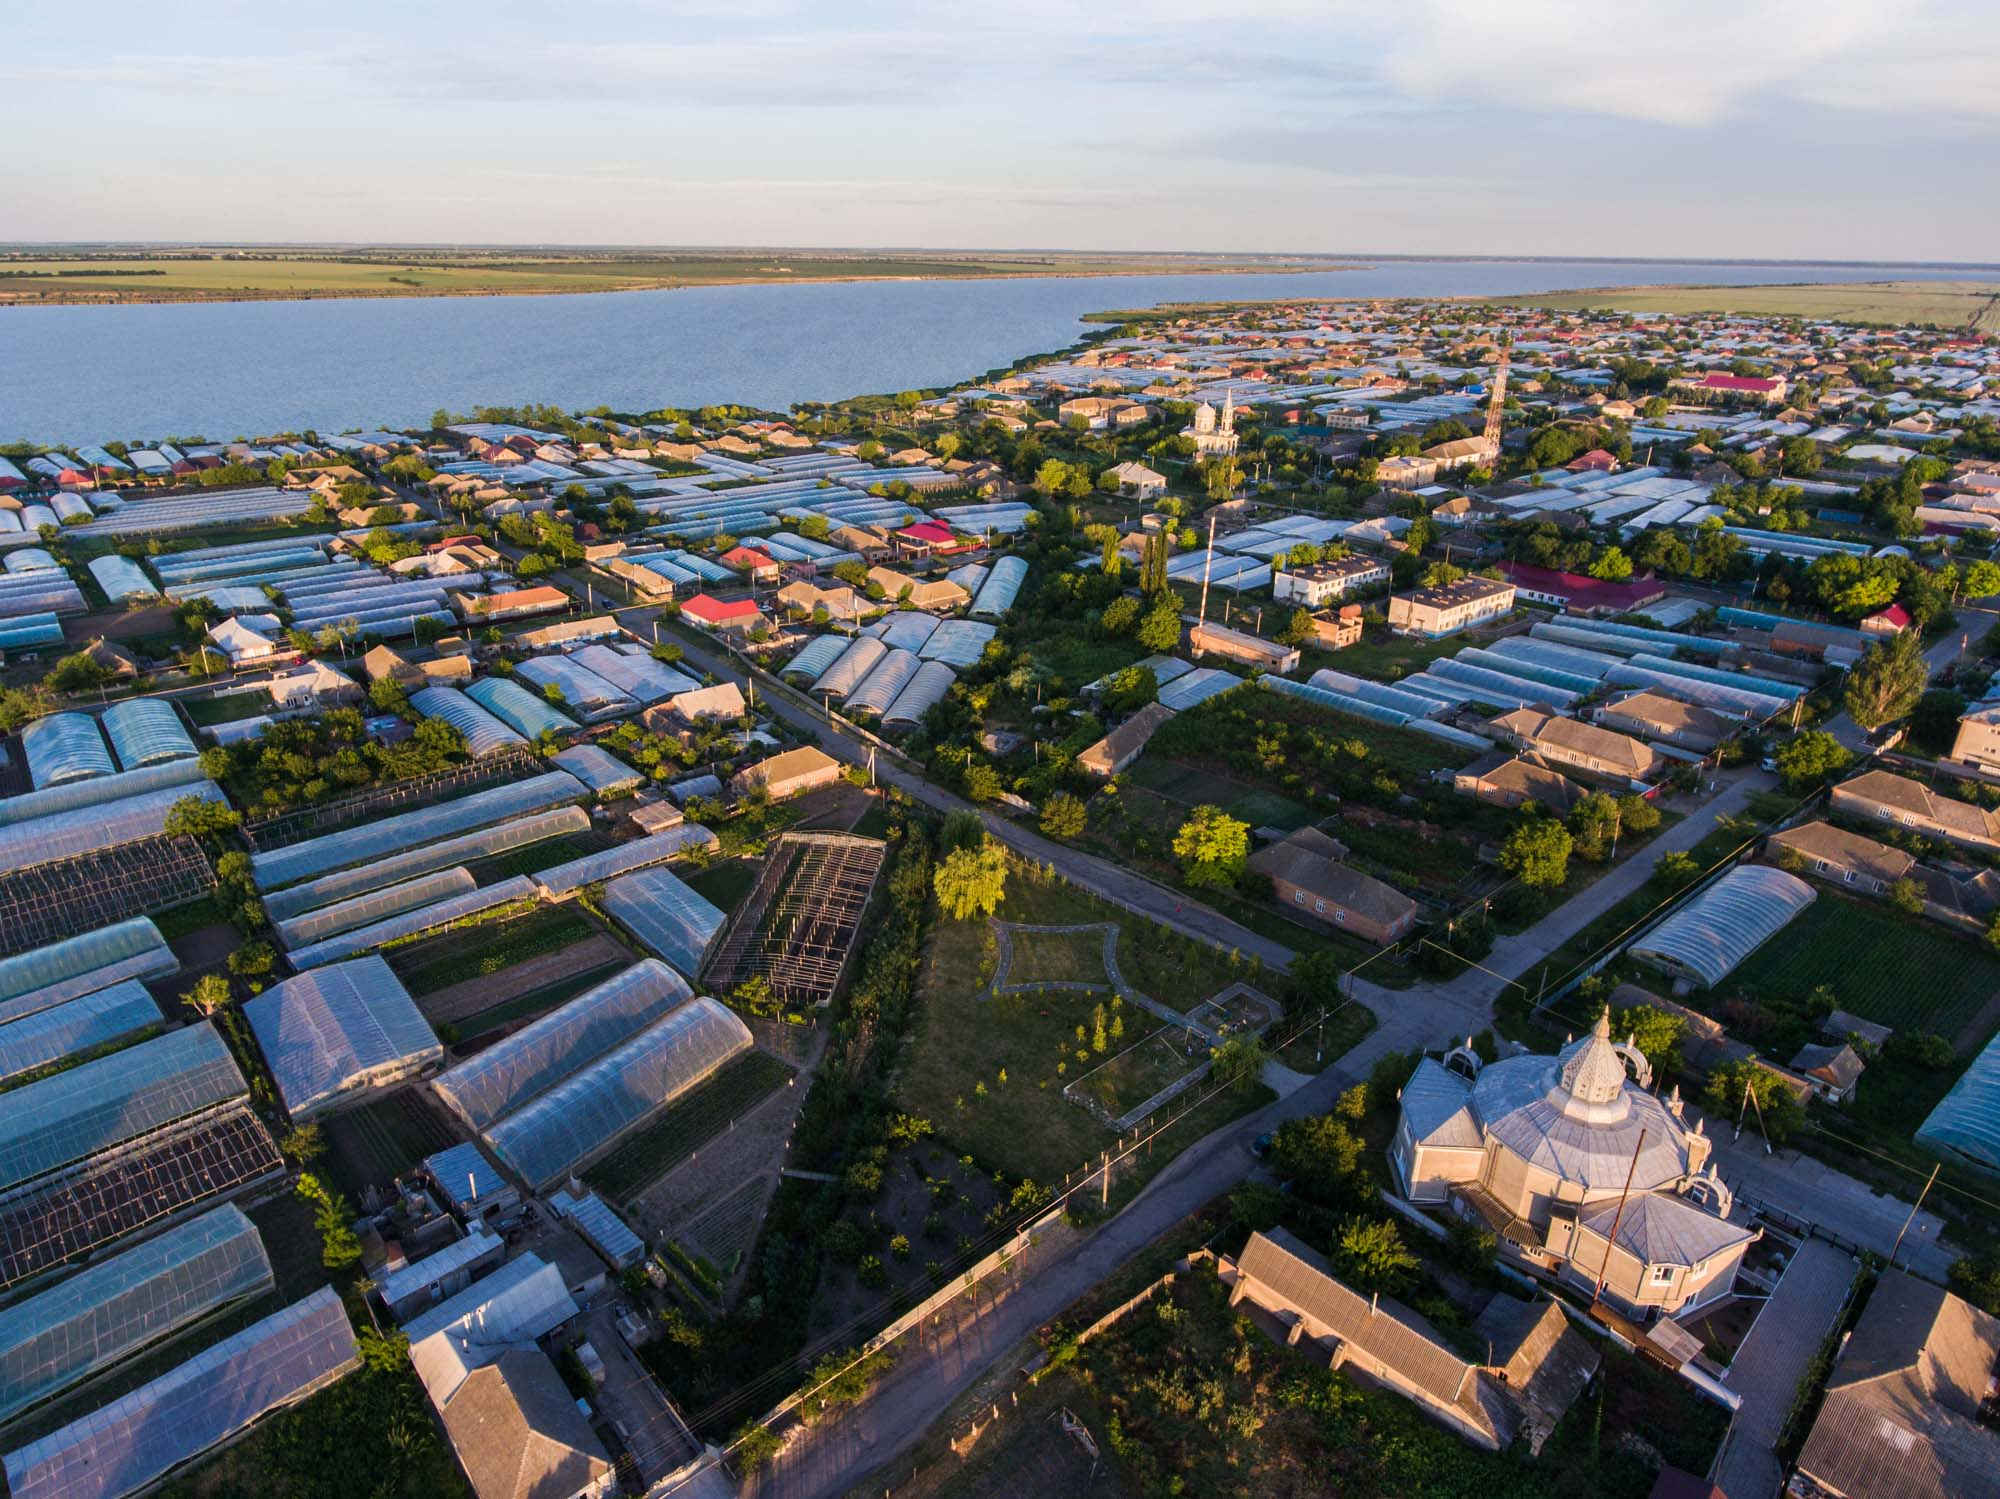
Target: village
[1429,866]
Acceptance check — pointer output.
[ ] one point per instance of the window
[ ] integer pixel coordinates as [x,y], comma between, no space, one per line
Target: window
[1663,1275]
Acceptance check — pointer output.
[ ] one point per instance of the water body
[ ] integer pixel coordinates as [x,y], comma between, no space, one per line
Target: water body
[236,369]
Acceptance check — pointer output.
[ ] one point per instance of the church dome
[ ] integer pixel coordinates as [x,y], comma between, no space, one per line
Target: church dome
[1593,1073]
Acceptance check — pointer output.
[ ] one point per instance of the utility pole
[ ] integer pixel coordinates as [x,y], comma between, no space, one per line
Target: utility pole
[1207,563]
[1618,1217]
[1914,1207]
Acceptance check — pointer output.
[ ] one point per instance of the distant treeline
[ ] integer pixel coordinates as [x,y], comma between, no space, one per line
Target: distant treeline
[31,275]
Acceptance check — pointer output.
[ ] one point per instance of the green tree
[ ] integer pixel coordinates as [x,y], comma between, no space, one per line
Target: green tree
[1371,1254]
[1982,580]
[1160,630]
[81,672]
[971,882]
[1212,847]
[1440,573]
[1886,682]
[198,817]
[1298,628]
[1725,1096]
[1063,816]
[210,993]
[1220,478]
[1119,616]
[1612,565]
[1811,759]
[1322,1159]
[1595,824]
[1537,853]
[1238,1062]
[1655,1032]
[1637,814]
[1907,896]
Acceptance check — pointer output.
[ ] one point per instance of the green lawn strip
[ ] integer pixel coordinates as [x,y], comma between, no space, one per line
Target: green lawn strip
[191,917]
[545,998]
[533,858]
[1869,956]
[488,947]
[205,712]
[1320,1046]
[724,884]
[687,1124]
[1056,958]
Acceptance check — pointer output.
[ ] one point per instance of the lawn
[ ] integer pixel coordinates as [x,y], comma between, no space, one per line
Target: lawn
[1055,958]
[1321,1045]
[1382,656]
[688,1124]
[1944,304]
[488,947]
[204,712]
[1194,786]
[725,883]
[1902,971]
[1140,1071]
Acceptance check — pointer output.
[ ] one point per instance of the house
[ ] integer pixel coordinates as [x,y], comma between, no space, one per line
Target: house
[750,562]
[1833,1070]
[1847,858]
[867,543]
[241,644]
[512,603]
[1890,621]
[1910,804]
[918,593]
[1583,746]
[1338,630]
[1841,1026]
[841,604]
[1137,481]
[1596,461]
[1978,741]
[1308,879]
[789,774]
[1580,594]
[1126,743]
[519,1435]
[723,701]
[1580,1169]
[1704,1044]
[923,539]
[1901,1418]
[1323,582]
[1449,607]
[1652,714]
[1405,471]
[1213,437]
[1520,780]
[1099,412]
[1750,387]
[1238,645]
[742,617]
[446,671]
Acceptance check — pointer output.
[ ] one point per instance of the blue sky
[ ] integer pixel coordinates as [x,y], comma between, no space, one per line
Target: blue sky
[1853,129]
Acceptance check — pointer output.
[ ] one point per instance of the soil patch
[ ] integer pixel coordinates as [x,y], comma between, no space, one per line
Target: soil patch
[459,1001]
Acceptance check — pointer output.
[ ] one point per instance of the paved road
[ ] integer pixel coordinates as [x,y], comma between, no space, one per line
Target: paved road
[1772,1360]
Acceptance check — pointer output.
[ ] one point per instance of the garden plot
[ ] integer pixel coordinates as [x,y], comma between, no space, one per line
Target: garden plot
[1237,1010]
[1122,1090]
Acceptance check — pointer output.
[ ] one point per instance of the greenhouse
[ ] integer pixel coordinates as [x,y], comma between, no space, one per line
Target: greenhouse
[393,835]
[339,1030]
[1708,937]
[322,922]
[500,1079]
[1568,658]
[599,769]
[29,630]
[1533,671]
[32,974]
[581,1118]
[997,594]
[879,688]
[1499,686]
[97,790]
[924,691]
[414,922]
[484,734]
[140,1437]
[76,1025]
[601,1228]
[146,731]
[905,630]
[92,828]
[63,1118]
[64,747]
[1198,686]
[502,838]
[666,915]
[1411,704]
[818,654]
[639,677]
[519,708]
[563,880]
[1738,702]
[115,1307]
[1338,702]
[958,642]
[846,674]
[583,691]
[1965,1125]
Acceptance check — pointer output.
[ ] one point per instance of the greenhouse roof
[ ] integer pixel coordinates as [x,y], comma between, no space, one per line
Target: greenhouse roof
[141,1436]
[1706,938]
[89,829]
[506,1075]
[819,653]
[114,1099]
[667,915]
[502,838]
[146,731]
[586,1114]
[906,629]
[1966,1121]
[76,1025]
[26,973]
[607,1233]
[409,923]
[64,747]
[514,705]
[377,905]
[920,694]
[337,1028]
[485,734]
[639,676]
[958,642]
[584,690]
[860,658]
[598,768]
[390,835]
[996,595]
[117,1305]
[876,691]
[466,1177]
[655,848]
[98,789]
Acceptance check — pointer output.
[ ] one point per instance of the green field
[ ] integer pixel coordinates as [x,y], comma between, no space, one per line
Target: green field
[488,947]
[1902,971]
[374,1143]
[687,1125]
[1943,304]
[230,273]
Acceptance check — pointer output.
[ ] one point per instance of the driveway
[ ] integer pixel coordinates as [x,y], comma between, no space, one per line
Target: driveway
[1772,1361]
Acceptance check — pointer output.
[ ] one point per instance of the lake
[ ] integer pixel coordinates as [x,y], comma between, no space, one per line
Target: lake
[237,369]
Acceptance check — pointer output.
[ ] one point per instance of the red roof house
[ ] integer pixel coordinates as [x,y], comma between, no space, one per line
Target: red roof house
[749,560]
[924,538]
[1890,621]
[713,614]
[1583,595]
[1595,461]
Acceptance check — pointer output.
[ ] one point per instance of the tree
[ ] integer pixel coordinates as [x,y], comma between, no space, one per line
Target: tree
[198,817]
[1612,565]
[1728,1084]
[1887,681]
[1220,477]
[1934,721]
[1298,628]
[1636,814]
[210,993]
[1655,1032]
[1063,816]
[1907,896]
[304,1144]
[387,695]
[1212,846]
[1977,1279]
[1594,822]
[78,673]
[1982,580]
[971,882]
[1371,1254]
[1811,759]
[1537,853]
[1119,616]
[1440,573]
[1238,1062]
[1160,630]
[1321,1158]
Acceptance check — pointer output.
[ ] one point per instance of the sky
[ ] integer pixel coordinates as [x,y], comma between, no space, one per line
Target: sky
[1822,129]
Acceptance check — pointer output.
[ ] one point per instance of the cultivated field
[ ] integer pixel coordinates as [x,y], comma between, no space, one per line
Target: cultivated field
[1944,304]
[688,1124]
[1901,971]
[373,1144]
